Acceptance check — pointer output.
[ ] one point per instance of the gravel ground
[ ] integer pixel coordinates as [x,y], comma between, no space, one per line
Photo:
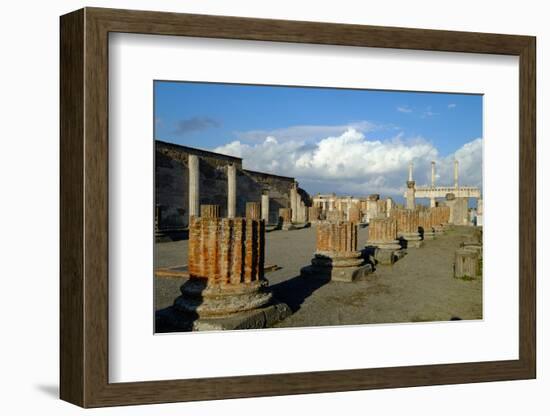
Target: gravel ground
[420,287]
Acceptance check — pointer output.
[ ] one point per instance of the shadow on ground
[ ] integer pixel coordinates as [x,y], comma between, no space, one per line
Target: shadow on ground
[296,290]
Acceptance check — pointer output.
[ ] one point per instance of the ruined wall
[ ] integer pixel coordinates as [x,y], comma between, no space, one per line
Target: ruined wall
[172,184]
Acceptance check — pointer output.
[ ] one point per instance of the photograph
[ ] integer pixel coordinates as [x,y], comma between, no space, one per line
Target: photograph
[291,206]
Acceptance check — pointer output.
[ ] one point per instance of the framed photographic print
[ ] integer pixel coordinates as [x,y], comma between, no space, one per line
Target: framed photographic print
[255,207]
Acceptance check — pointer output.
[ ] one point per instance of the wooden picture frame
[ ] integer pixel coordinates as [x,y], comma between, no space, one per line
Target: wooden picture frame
[84,207]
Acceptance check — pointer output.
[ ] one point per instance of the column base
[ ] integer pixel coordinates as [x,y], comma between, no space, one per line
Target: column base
[384,252]
[337,267]
[173,320]
[218,300]
[411,240]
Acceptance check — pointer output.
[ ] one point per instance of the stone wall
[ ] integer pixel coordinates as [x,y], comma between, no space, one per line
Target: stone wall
[172,184]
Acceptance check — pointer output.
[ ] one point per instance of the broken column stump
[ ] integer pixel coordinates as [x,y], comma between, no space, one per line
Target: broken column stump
[226,287]
[253,210]
[382,243]
[440,218]
[336,256]
[210,211]
[425,224]
[467,264]
[285,219]
[407,227]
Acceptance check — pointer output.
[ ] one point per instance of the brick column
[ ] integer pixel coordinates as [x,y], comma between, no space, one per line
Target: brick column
[285,218]
[354,213]
[336,256]
[210,211]
[425,222]
[253,210]
[335,215]
[382,242]
[226,267]
[313,214]
[407,226]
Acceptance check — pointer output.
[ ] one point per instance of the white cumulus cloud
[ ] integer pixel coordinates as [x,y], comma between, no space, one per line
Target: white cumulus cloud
[349,163]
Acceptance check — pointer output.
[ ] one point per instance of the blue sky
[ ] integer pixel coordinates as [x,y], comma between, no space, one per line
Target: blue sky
[314,134]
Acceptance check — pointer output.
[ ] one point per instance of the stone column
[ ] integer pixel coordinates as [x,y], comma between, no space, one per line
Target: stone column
[407,227]
[265,206]
[432,199]
[231,191]
[382,242]
[467,265]
[226,267]
[410,195]
[336,257]
[301,207]
[253,210]
[194,178]
[450,202]
[293,199]
[210,211]
[389,207]
[479,213]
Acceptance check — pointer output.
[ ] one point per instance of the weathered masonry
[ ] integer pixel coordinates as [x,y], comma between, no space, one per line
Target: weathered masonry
[186,178]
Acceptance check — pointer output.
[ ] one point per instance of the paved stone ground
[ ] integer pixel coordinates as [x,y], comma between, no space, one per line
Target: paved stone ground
[420,287]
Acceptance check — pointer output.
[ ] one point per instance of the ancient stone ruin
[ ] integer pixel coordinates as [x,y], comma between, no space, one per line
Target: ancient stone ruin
[285,219]
[407,227]
[253,211]
[336,256]
[382,242]
[210,211]
[226,287]
[425,218]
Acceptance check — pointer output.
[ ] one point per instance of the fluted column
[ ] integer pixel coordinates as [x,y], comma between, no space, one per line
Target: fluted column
[354,213]
[226,267]
[407,226]
[382,243]
[253,210]
[210,211]
[336,256]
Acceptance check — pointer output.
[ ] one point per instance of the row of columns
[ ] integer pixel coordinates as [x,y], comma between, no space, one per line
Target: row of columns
[194,191]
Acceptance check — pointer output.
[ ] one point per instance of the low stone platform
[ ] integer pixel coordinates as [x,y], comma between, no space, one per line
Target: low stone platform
[172,320]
